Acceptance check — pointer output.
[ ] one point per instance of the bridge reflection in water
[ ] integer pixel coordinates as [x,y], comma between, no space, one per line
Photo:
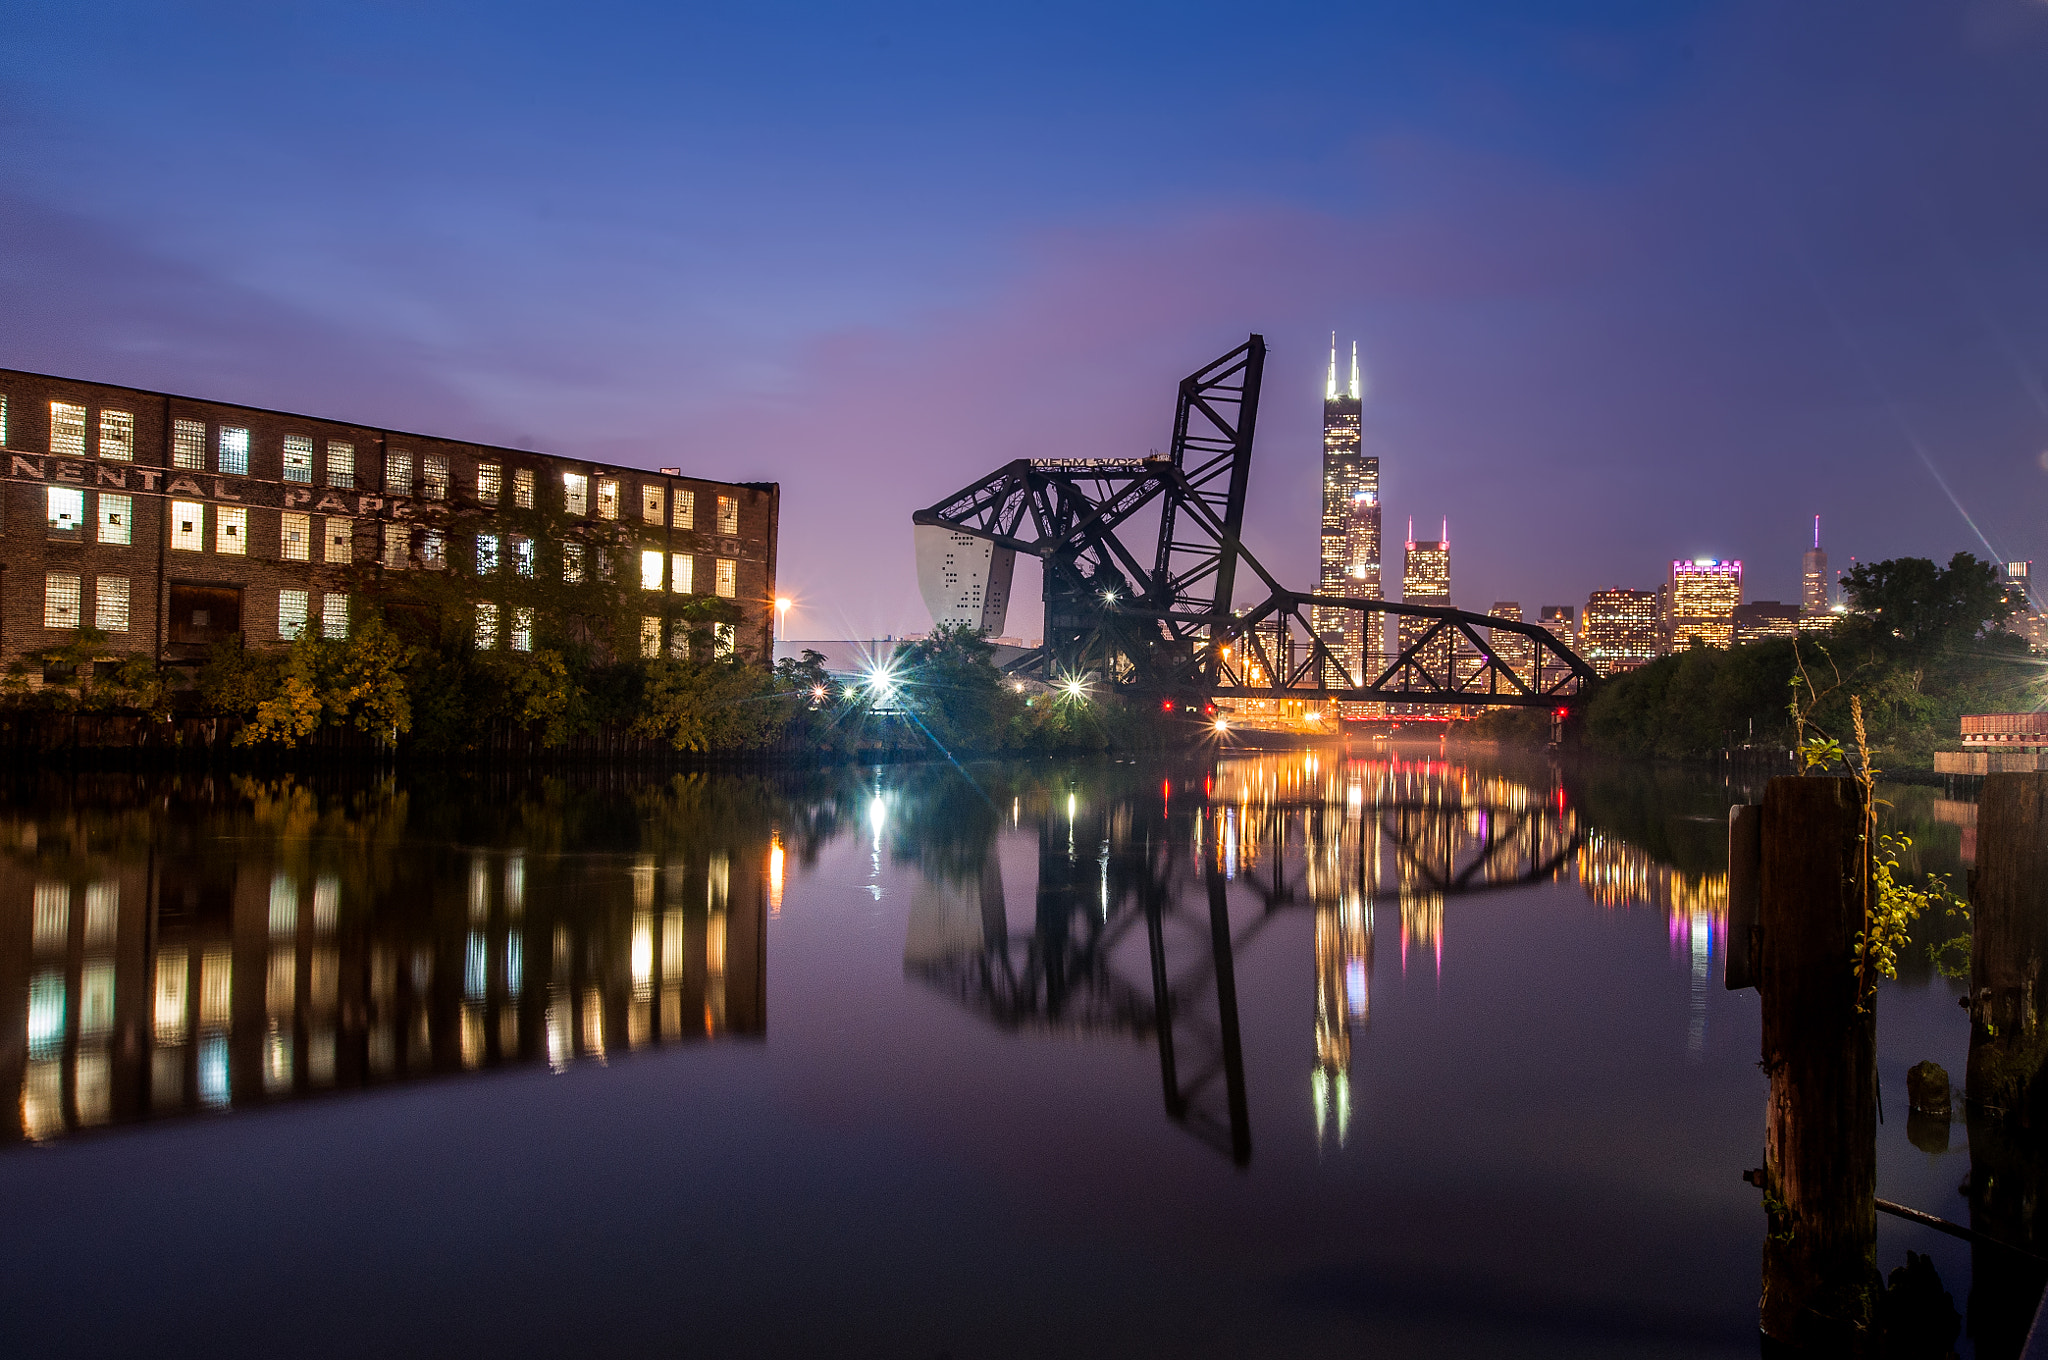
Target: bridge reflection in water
[1144,898]
[245,942]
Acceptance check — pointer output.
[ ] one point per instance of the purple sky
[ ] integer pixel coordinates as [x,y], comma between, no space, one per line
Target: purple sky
[1628,286]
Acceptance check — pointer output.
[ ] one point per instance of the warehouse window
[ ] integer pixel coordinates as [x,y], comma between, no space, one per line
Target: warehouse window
[291,613]
[682,573]
[650,636]
[110,604]
[398,473]
[723,639]
[203,615]
[295,537]
[434,548]
[728,515]
[650,503]
[522,488]
[679,642]
[727,580]
[3,420]
[67,430]
[486,626]
[522,630]
[234,451]
[650,569]
[341,541]
[117,519]
[572,563]
[486,554]
[60,600]
[117,436]
[575,493]
[522,555]
[67,512]
[435,476]
[188,526]
[341,464]
[685,510]
[334,617]
[397,545]
[490,480]
[607,498]
[188,443]
[231,530]
[298,458]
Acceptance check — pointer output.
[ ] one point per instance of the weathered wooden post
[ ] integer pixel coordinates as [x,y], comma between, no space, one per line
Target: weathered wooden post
[2009,947]
[1819,1048]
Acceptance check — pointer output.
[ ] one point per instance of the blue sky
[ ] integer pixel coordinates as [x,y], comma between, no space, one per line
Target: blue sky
[1631,282]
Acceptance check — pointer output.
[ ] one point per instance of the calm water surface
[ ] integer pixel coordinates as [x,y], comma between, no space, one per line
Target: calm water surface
[1316,1054]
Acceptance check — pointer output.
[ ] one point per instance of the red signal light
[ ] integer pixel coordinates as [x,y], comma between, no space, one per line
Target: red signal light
[1166,707]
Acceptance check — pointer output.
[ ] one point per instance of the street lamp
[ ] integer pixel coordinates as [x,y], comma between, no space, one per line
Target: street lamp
[782,617]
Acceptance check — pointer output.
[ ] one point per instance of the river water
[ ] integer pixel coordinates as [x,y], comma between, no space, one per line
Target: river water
[1323,1053]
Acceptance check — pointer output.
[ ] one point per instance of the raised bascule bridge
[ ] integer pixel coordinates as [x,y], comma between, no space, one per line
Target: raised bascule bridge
[1155,616]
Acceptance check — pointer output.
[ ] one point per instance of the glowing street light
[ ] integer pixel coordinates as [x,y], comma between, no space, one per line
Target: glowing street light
[1223,724]
[782,603]
[1074,688]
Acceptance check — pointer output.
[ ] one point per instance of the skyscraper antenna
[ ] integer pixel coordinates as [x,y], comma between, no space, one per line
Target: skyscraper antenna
[1357,389]
[1330,389]
[1816,531]
[1446,539]
[1411,531]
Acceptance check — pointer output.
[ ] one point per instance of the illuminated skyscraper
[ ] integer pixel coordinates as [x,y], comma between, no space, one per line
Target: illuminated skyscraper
[1563,622]
[1351,526]
[1515,650]
[1813,578]
[1699,602]
[1621,630]
[1426,579]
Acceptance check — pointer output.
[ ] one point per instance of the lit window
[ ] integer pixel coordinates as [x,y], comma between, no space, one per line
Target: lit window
[685,510]
[60,600]
[726,583]
[486,554]
[67,511]
[435,477]
[486,626]
[173,981]
[650,636]
[650,502]
[334,617]
[682,573]
[188,526]
[298,458]
[728,515]
[46,1016]
[434,548]
[117,436]
[341,540]
[234,451]
[341,464]
[723,638]
[679,642]
[398,473]
[490,480]
[110,604]
[522,630]
[575,493]
[607,498]
[117,515]
[295,542]
[231,530]
[51,930]
[572,563]
[650,569]
[188,443]
[3,420]
[67,430]
[522,555]
[397,545]
[522,488]
[292,609]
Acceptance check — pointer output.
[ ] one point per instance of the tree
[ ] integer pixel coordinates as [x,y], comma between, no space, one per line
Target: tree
[949,681]
[1921,607]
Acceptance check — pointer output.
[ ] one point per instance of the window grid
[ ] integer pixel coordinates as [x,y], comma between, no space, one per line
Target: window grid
[650,569]
[397,545]
[682,573]
[117,516]
[398,473]
[341,464]
[231,530]
[522,488]
[295,537]
[3,420]
[292,610]
[110,604]
[117,436]
[67,430]
[334,617]
[685,510]
[435,478]
[234,451]
[575,493]
[60,600]
[66,510]
[188,526]
[726,581]
[572,563]
[298,458]
[486,626]
[650,636]
[341,540]
[650,502]
[522,555]
[490,482]
[522,630]
[188,443]
[607,498]
[486,554]
[728,515]
[434,548]
[724,639]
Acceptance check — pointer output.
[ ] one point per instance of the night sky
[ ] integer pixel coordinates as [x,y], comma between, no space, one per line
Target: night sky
[1631,282]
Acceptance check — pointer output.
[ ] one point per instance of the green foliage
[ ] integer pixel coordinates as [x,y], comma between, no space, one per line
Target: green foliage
[1895,904]
[1912,602]
[950,682]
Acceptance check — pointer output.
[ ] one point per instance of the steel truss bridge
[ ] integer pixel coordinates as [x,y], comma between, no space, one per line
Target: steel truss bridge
[1157,619]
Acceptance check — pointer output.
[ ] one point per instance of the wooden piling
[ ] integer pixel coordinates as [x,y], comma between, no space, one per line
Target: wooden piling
[2009,949]
[1820,1131]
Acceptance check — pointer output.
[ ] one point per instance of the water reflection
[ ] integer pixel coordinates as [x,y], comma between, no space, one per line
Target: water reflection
[222,944]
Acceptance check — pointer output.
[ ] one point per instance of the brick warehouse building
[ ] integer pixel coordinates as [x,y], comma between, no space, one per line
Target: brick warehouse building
[170,524]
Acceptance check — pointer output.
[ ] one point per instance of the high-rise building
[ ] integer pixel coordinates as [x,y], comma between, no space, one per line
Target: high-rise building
[1426,579]
[1762,619]
[1699,602]
[1621,631]
[1813,578]
[1563,622]
[1514,650]
[1351,528]
[2017,579]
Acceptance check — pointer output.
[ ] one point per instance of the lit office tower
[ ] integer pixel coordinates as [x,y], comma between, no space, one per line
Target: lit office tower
[1426,579]
[1515,650]
[2017,580]
[1563,622]
[1699,602]
[1621,630]
[1813,578]
[1351,525]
